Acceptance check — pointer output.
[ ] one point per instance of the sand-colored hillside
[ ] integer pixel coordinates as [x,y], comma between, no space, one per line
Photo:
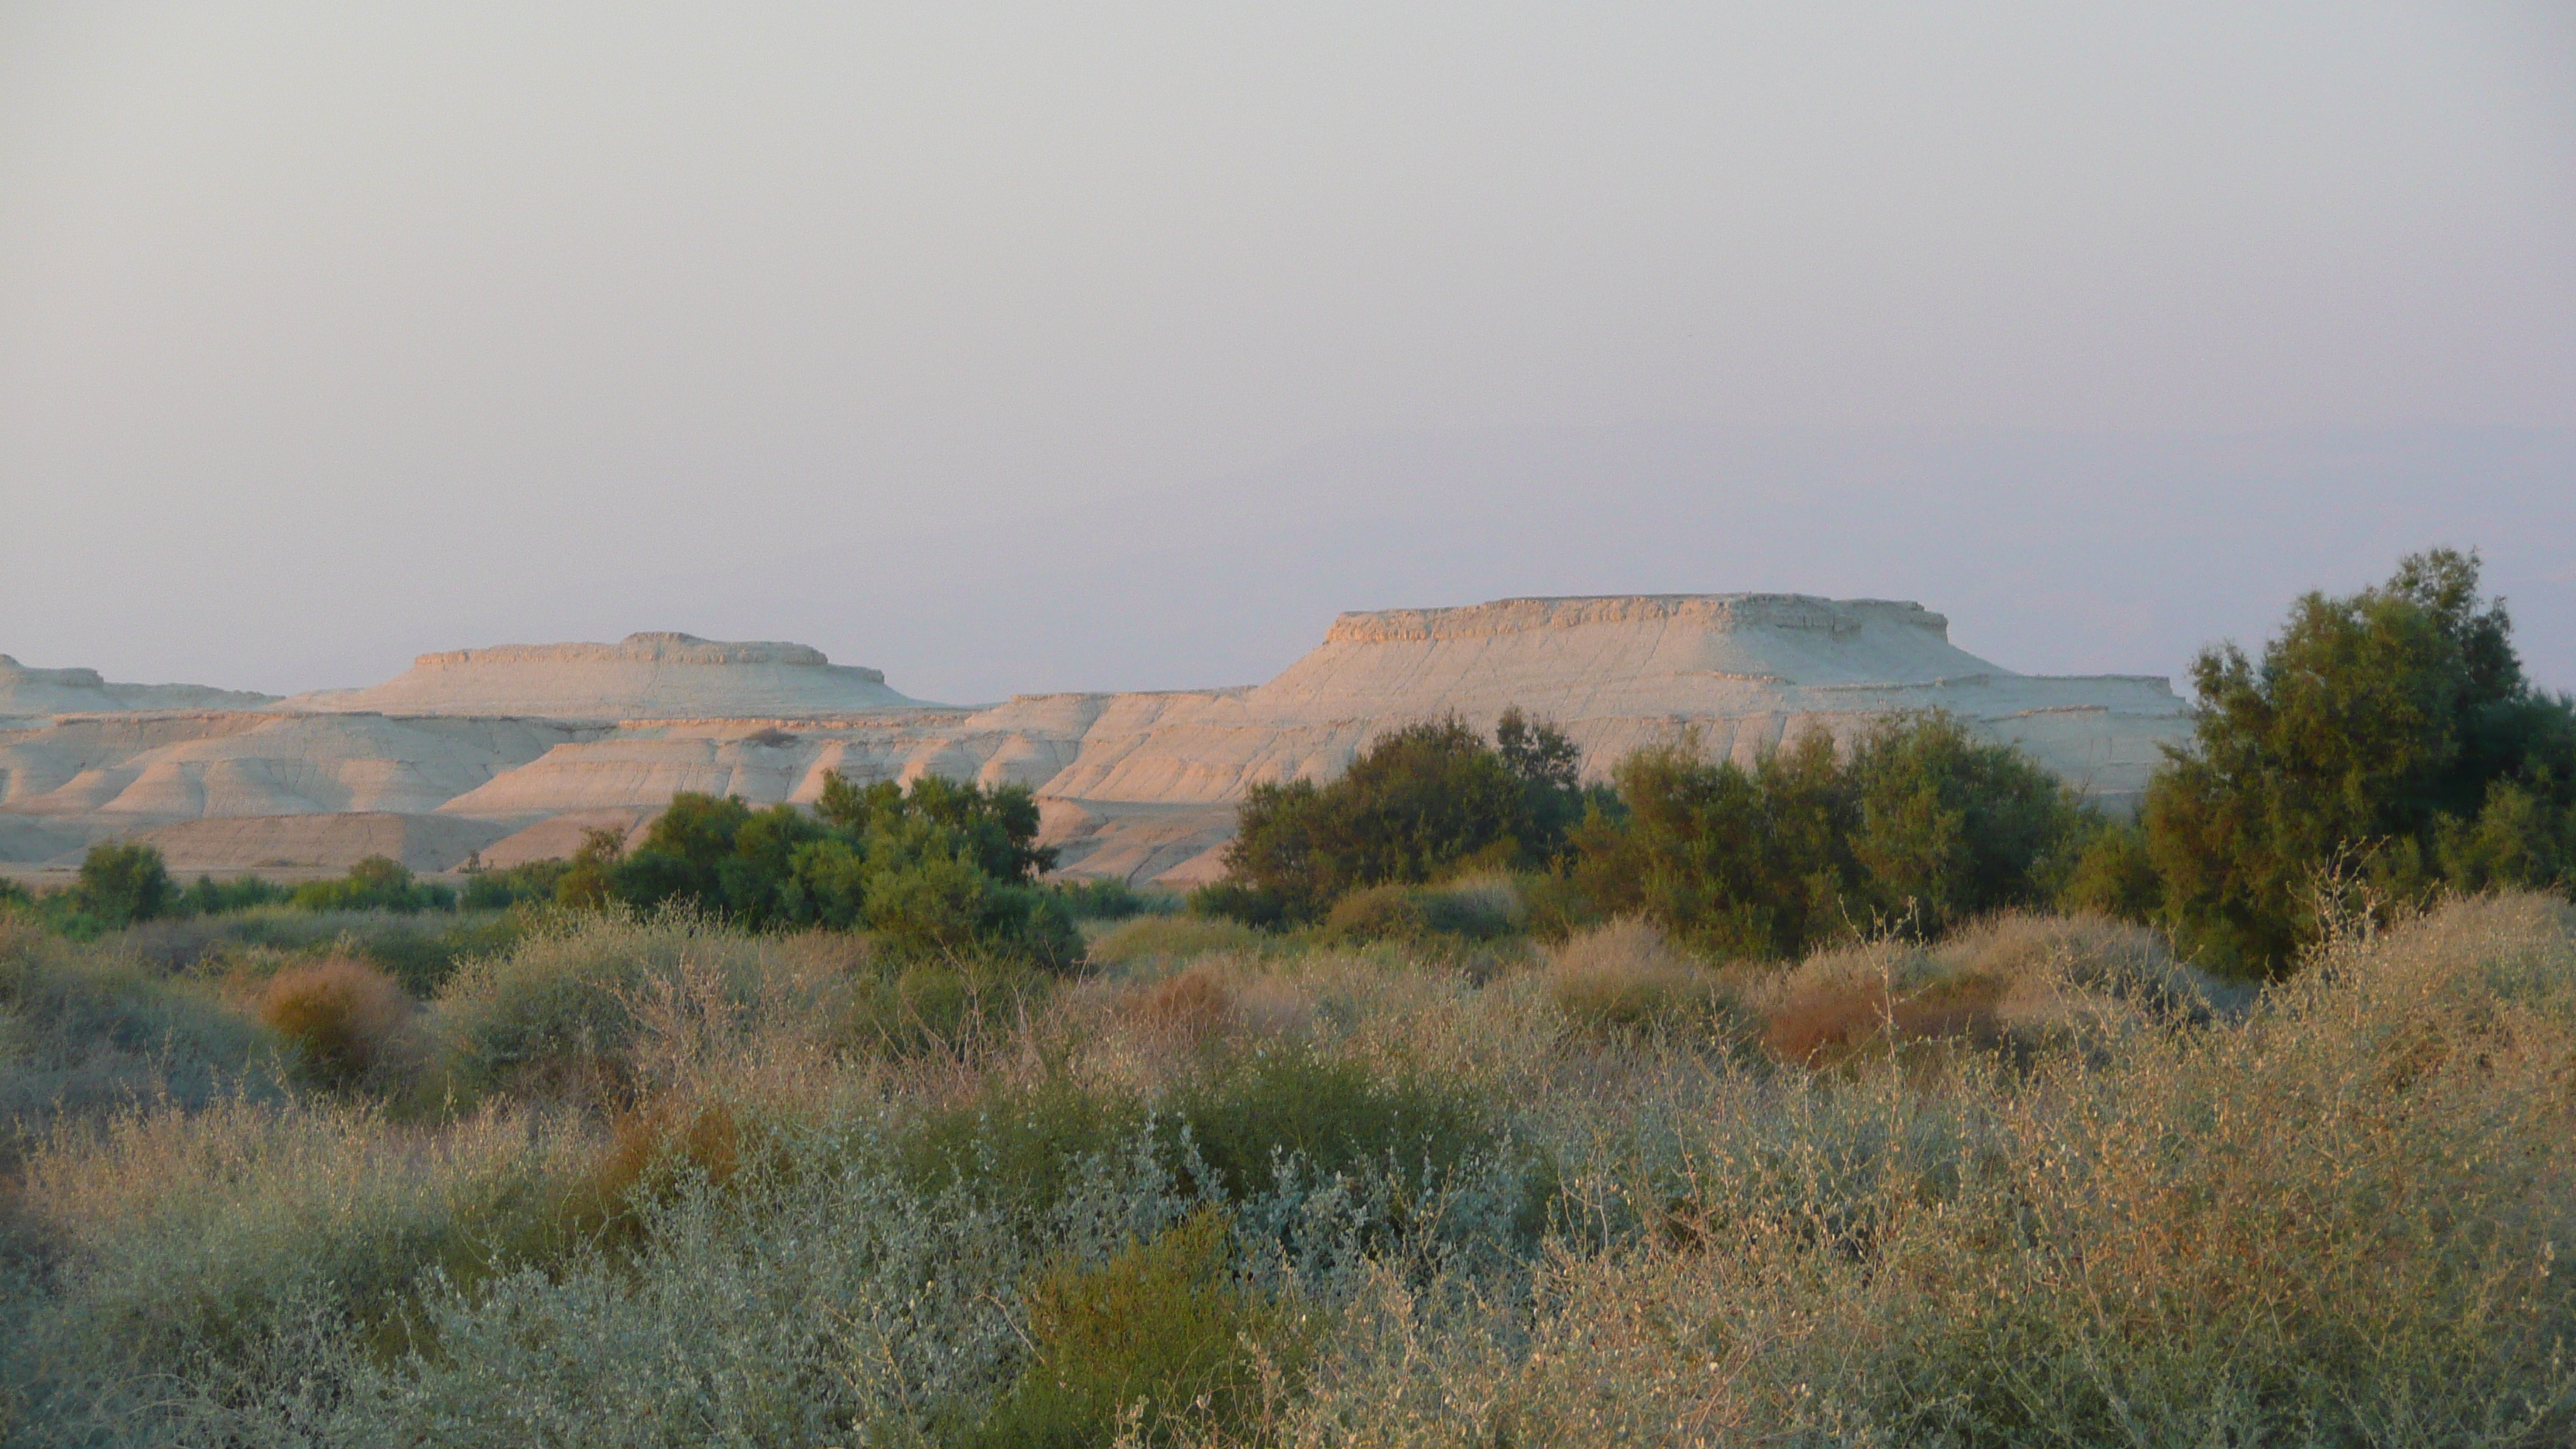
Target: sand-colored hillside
[27,693]
[525,747]
[163,767]
[644,676]
[310,843]
[1746,671]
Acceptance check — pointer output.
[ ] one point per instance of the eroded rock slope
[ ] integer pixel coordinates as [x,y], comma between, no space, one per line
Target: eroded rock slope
[512,752]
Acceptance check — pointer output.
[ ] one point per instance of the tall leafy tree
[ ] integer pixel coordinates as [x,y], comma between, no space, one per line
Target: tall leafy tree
[2390,733]
[1741,862]
[122,882]
[940,867]
[1418,803]
[1921,823]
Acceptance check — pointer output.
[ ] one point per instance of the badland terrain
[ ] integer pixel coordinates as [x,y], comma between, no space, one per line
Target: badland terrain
[503,755]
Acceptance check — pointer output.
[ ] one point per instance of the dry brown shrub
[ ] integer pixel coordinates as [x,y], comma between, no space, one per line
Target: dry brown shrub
[652,1147]
[1955,1006]
[1832,1022]
[2018,982]
[1192,1005]
[1825,1022]
[2042,957]
[349,1022]
[1627,976]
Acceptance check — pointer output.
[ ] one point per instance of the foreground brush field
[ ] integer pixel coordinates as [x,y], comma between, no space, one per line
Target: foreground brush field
[638,1179]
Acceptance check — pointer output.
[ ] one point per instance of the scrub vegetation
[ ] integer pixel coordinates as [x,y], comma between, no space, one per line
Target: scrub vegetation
[1882,1096]
[2384,750]
[653,1180]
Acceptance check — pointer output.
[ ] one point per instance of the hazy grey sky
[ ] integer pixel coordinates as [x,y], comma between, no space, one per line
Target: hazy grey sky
[332,333]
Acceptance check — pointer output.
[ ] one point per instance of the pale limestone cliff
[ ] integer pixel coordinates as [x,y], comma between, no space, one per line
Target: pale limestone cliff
[159,767]
[27,693]
[523,747]
[644,676]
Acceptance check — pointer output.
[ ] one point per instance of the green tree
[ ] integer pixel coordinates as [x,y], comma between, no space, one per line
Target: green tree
[2392,729]
[1419,802]
[1951,826]
[999,826]
[942,867]
[1922,824]
[2113,875]
[490,888]
[1741,862]
[584,883]
[377,883]
[122,882]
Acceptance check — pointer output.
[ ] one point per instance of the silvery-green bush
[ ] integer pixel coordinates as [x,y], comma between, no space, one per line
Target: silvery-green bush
[2329,1215]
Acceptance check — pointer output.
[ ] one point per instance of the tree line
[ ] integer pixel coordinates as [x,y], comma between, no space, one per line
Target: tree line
[2383,747]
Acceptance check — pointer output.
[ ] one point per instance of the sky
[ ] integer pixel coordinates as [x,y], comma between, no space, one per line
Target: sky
[1019,347]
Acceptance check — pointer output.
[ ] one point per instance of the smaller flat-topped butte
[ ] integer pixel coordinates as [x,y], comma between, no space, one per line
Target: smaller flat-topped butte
[512,751]
[643,676]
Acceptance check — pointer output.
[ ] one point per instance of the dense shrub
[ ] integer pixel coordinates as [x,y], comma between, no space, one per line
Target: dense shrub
[941,868]
[656,1151]
[902,1008]
[348,1022]
[1418,803]
[82,1029]
[1150,939]
[1921,827]
[2390,733]
[1192,1006]
[377,883]
[1232,900]
[121,883]
[211,897]
[423,950]
[560,1011]
[532,883]
[2032,1183]
[419,949]
[1160,1340]
[256,1254]
[1626,979]
[126,884]
[1252,1117]
[1018,1147]
[1477,909]
[1108,899]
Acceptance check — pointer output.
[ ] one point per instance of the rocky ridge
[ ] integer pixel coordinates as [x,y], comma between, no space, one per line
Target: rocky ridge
[513,751]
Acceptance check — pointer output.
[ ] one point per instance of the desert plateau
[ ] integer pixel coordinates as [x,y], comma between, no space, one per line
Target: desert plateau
[505,755]
[1145,726]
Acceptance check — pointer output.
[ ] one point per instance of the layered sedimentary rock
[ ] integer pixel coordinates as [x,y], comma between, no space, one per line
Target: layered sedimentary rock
[33,693]
[524,748]
[164,766]
[1746,671]
[321,844]
[643,676]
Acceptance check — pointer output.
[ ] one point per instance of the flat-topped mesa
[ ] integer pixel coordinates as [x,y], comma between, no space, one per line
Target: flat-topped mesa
[27,692]
[516,750]
[1712,612]
[1633,655]
[654,676]
[1740,673]
[651,648]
